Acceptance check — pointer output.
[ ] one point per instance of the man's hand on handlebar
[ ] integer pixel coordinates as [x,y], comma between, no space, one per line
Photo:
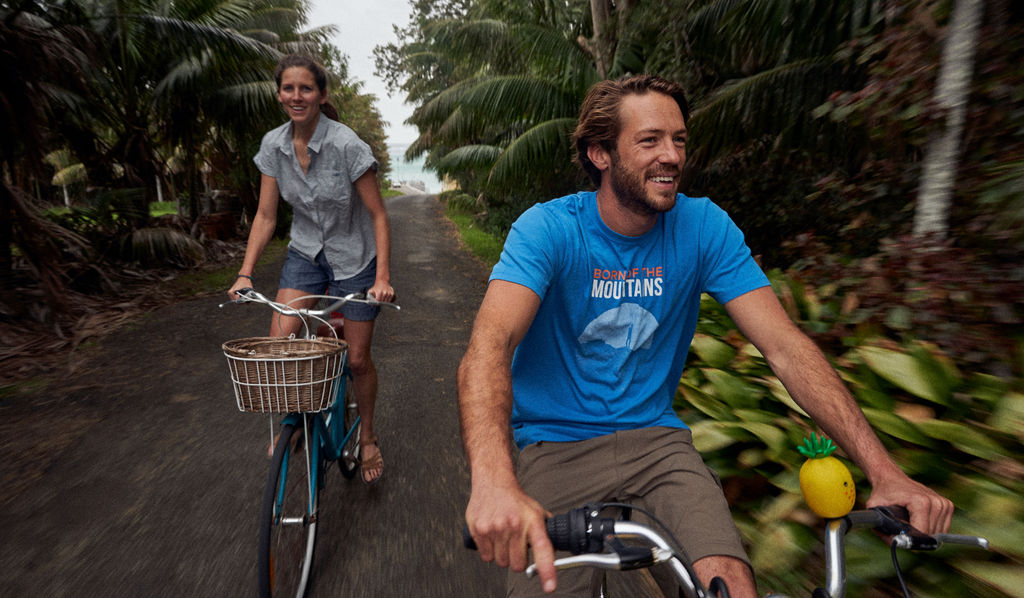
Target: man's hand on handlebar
[929,512]
[506,524]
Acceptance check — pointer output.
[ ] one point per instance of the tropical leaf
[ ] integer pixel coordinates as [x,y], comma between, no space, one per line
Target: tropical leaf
[1008,578]
[779,391]
[469,157]
[545,143]
[710,436]
[896,426]
[732,390]
[161,245]
[963,437]
[712,351]
[750,108]
[705,403]
[74,173]
[911,373]
[517,97]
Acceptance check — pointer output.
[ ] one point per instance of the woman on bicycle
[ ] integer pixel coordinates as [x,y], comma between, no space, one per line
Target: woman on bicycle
[340,236]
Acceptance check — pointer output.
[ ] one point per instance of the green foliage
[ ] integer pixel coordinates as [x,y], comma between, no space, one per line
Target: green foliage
[948,425]
[459,208]
[162,208]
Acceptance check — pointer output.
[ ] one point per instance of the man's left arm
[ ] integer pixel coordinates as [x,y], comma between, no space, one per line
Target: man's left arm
[817,388]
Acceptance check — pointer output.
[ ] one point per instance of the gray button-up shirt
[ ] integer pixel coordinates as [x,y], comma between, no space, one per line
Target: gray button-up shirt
[328,213]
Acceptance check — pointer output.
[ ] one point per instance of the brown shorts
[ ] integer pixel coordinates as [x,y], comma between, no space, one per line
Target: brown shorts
[656,469]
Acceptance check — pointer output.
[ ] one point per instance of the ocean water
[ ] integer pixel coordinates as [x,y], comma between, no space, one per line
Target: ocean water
[412,173]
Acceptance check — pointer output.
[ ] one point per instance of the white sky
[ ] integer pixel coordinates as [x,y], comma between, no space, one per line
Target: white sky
[363,25]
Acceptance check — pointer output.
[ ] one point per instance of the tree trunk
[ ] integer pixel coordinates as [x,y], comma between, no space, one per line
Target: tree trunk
[600,11]
[952,88]
[602,46]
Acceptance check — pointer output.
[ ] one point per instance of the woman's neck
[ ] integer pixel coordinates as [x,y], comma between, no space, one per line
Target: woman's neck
[303,132]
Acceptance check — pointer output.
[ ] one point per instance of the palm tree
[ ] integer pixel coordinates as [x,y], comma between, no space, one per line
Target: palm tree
[761,67]
[168,72]
[43,50]
[514,76]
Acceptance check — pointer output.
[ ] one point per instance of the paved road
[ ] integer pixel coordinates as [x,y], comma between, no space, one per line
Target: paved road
[148,482]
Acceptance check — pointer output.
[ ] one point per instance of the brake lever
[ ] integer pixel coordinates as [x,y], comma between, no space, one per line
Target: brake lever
[895,522]
[241,297]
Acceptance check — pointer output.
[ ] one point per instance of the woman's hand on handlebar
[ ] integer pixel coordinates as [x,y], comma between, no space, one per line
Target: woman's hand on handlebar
[242,282]
[382,291]
[505,524]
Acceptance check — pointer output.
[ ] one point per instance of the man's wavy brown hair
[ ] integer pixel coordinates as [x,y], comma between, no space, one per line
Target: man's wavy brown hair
[599,121]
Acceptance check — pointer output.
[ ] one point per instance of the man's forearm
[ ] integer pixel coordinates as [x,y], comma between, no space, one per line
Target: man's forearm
[815,386]
[485,405]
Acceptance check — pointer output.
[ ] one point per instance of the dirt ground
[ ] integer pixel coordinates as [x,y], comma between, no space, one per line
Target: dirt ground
[130,472]
[136,475]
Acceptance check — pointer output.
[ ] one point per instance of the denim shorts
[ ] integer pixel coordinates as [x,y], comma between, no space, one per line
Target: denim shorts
[317,277]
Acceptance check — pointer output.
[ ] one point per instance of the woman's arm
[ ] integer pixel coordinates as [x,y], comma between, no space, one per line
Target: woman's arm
[369,191]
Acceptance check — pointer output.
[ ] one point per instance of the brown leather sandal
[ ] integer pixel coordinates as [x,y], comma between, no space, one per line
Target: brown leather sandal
[375,462]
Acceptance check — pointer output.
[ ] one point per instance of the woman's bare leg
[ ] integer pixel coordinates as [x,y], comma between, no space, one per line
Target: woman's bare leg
[359,335]
[287,325]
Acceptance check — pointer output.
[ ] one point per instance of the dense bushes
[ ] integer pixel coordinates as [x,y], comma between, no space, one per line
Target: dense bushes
[938,382]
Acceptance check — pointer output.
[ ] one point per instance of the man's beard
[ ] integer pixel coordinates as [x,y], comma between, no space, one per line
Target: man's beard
[629,189]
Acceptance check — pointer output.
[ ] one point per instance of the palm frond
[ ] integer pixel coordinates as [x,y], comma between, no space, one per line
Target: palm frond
[479,42]
[555,57]
[770,102]
[519,97]
[162,246]
[468,157]
[69,175]
[436,111]
[544,147]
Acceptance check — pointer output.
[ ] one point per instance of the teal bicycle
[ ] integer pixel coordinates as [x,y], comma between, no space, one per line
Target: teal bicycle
[307,380]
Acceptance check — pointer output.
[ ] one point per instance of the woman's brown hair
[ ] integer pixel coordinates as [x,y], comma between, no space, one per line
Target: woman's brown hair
[599,122]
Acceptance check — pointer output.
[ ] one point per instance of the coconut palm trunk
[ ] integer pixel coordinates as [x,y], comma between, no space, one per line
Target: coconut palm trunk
[935,195]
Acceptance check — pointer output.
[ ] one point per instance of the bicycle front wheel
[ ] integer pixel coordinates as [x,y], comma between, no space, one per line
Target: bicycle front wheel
[288,519]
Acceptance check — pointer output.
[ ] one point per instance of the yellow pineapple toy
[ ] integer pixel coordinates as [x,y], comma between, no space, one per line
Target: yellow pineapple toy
[825,482]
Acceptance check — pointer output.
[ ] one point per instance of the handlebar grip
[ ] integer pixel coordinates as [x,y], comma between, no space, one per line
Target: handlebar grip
[569,532]
[560,532]
[895,521]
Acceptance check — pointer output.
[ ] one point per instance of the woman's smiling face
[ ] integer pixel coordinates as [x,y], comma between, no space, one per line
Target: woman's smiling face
[299,95]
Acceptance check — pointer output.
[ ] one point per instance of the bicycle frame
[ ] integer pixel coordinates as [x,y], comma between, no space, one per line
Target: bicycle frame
[324,441]
[288,527]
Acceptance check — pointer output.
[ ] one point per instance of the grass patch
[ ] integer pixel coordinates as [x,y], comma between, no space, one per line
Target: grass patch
[202,282]
[481,244]
[162,208]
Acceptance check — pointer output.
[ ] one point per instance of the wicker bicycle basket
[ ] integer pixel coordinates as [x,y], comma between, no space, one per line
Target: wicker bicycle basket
[284,375]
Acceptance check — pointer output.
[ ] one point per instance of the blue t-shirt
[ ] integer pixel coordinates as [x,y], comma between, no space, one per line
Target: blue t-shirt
[617,314]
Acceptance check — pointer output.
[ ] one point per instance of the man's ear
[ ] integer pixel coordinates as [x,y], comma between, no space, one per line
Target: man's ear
[599,156]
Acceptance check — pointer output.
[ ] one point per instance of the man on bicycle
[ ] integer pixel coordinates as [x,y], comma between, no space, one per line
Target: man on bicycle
[581,339]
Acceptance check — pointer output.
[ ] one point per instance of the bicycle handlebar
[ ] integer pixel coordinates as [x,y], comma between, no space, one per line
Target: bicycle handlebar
[248,295]
[594,541]
[894,521]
